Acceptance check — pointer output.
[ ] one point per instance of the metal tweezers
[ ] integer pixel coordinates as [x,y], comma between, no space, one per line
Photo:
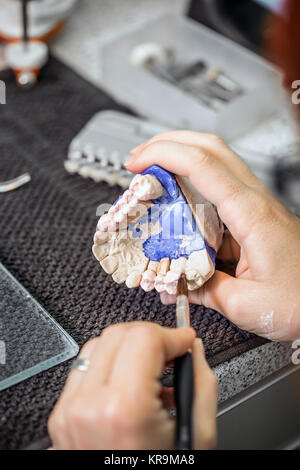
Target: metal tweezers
[15,183]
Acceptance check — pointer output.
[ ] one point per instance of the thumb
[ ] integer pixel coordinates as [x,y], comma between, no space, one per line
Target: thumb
[224,293]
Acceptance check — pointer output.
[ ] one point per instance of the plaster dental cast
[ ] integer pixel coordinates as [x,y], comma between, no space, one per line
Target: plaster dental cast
[118,401]
[150,236]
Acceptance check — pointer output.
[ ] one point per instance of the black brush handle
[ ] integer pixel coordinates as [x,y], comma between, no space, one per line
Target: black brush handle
[184,395]
[25,20]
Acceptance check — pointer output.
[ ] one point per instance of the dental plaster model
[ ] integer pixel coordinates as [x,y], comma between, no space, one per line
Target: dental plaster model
[158,229]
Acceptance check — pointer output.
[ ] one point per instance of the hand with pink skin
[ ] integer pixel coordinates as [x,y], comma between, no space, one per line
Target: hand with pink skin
[119,403]
[263,236]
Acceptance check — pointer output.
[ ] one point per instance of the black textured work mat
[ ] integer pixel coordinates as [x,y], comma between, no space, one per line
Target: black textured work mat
[46,232]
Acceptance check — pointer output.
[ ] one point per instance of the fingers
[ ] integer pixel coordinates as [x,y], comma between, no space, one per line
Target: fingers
[212,144]
[232,297]
[145,351]
[205,400]
[233,199]
[216,293]
[76,376]
[60,434]
[102,359]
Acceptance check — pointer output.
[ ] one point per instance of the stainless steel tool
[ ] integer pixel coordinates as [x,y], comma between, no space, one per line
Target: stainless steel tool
[15,183]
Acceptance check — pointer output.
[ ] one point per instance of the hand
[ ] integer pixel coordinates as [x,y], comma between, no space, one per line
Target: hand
[263,238]
[119,403]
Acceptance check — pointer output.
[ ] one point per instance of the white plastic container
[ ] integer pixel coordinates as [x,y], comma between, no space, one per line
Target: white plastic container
[164,102]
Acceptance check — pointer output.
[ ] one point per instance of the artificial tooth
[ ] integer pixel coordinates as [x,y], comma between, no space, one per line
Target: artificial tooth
[148,279]
[97,174]
[134,279]
[193,274]
[100,237]
[110,264]
[111,178]
[85,171]
[120,275]
[153,266]
[199,262]
[164,266]
[71,166]
[178,265]
[192,286]
[100,251]
[159,283]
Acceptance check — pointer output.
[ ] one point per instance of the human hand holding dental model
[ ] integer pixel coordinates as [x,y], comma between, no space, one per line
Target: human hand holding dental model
[263,236]
[119,403]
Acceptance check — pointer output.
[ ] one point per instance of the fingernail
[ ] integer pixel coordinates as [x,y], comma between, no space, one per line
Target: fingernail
[137,149]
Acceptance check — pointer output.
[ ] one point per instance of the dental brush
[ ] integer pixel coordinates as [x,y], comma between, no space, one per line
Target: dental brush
[183,374]
[25,22]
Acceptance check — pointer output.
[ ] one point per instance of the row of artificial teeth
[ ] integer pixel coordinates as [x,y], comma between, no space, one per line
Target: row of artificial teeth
[87,155]
[142,188]
[98,174]
[118,212]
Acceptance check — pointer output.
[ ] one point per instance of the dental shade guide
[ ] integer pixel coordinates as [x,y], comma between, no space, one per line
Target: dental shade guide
[158,229]
[102,147]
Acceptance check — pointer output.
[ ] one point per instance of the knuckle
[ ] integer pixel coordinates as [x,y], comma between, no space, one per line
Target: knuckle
[86,347]
[120,419]
[235,192]
[147,334]
[200,157]
[216,139]
[154,148]
[84,412]
[112,330]
[263,208]
[77,413]
[233,304]
[56,423]
[163,135]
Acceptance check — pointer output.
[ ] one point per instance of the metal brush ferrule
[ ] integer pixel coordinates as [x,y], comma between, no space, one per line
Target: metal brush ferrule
[182,312]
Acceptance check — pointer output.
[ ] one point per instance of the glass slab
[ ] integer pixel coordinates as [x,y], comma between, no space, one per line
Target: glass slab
[30,340]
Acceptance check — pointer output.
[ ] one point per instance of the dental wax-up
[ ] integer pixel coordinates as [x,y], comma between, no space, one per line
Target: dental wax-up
[158,229]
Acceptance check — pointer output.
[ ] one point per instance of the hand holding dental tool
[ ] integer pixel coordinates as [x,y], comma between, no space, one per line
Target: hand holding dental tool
[113,397]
